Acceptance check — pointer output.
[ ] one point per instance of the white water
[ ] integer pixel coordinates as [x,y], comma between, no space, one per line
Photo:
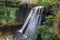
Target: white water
[32,21]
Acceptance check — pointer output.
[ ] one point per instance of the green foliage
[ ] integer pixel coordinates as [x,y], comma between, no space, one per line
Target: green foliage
[3,14]
[49,20]
[46,32]
[12,13]
[45,2]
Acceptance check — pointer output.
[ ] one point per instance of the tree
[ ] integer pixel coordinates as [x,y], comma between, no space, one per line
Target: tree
[56,25]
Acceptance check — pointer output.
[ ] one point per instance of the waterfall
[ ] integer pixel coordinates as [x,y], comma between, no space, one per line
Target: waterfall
[32,21]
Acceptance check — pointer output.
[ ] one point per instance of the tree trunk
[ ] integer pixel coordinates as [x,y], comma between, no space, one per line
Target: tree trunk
[56,25]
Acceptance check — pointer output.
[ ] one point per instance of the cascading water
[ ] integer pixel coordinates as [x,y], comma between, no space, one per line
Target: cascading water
[32,21]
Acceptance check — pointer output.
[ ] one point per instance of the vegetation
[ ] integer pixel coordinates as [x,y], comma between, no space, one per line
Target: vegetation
[4,15]
[49,29]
